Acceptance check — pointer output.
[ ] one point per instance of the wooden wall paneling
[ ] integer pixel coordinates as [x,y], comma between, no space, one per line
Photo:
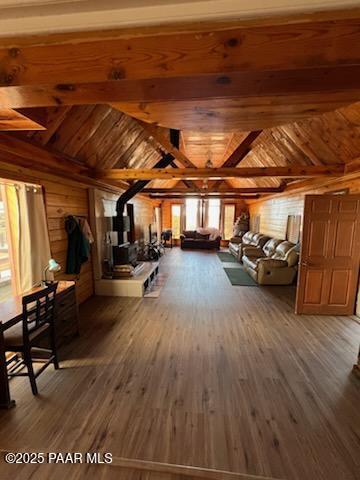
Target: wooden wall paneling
[274,211]
[143,214]
[57,206]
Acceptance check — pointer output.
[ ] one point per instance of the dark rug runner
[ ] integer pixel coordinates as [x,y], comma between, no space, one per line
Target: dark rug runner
[226,257]
[238,276]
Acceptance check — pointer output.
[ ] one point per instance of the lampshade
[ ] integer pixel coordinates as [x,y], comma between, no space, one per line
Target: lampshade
[53,266]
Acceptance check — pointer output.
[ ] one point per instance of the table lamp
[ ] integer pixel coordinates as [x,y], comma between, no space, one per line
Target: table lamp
[53,267]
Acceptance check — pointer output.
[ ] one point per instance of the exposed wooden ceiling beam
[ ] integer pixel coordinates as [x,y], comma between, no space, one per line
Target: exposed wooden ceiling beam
[23,155]
[233,45]
[38,155]
[217,173]
[138,186]
[264,66]
[222,191]
[165,143]
[54,120]
[239,153]
[353,166]
[11,120]
[223,84]
[166,160]
[170,147]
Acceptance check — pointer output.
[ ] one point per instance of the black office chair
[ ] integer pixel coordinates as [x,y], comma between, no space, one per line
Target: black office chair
[38,320]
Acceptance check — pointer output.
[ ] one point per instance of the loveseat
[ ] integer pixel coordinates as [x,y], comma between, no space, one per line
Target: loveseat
[237,244]
[274,264]
[194,239]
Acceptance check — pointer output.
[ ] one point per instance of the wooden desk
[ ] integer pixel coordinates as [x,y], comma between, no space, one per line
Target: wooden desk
[11,313]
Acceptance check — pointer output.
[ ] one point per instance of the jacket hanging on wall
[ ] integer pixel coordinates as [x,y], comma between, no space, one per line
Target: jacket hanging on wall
[78,245]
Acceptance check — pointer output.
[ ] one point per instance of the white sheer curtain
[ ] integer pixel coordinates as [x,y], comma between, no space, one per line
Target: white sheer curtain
[29,238]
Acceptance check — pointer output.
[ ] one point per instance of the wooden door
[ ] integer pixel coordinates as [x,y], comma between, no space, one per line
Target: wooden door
[330,255]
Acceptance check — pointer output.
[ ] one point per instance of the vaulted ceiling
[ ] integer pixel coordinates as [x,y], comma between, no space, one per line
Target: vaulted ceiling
[102,137]
[277,93]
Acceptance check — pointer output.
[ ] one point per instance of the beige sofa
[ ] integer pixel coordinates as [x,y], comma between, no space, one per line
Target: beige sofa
[254,239]
[275,264]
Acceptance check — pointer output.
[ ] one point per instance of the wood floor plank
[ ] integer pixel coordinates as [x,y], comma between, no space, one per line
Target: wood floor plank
[207,375]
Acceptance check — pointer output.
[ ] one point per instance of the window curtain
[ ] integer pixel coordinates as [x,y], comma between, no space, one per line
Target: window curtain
[29,238]
[182,217]
[206,213]
[198,214]
[222,217]
[158,222]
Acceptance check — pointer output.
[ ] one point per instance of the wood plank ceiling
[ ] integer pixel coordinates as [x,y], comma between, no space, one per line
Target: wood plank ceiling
[102,137]
[295,78]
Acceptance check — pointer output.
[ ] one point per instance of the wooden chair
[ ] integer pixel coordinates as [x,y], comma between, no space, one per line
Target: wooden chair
[38,320]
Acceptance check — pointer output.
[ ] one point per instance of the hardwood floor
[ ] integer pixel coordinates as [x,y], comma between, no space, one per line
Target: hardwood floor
[207,375]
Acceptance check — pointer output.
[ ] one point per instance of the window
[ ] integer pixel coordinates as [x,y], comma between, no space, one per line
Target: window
[24,239]
[176,221]
[191,212]
[229,217]
[214,213]
[5,263]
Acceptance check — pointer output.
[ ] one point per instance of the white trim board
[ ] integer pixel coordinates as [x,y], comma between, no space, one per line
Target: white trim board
[18,17]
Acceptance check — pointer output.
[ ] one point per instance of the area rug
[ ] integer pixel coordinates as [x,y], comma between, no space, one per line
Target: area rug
[239,277]
[226,257]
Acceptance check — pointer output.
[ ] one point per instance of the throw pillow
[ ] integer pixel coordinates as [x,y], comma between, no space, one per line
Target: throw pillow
[202,236]
[189,234]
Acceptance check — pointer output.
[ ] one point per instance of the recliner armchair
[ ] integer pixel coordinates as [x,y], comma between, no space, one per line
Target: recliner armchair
[253,239]
[275,264]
